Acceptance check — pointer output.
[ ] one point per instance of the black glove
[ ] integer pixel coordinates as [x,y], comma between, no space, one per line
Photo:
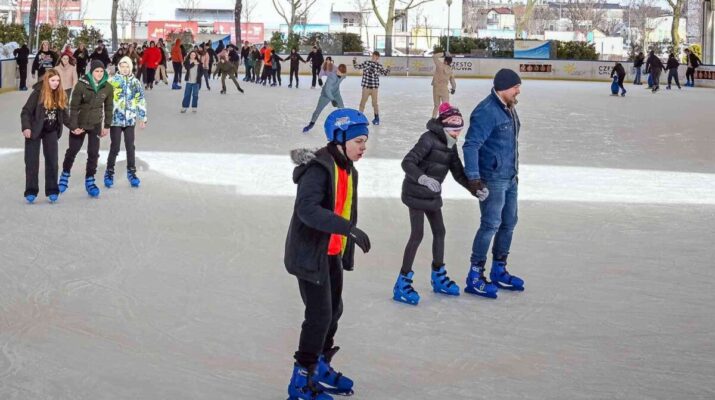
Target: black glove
[475,185]
[452,91]
[360,239]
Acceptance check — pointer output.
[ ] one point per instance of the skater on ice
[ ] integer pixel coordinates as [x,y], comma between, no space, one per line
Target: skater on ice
[618,73]
[672,67]
[426,166]
[321,244]
[371,71]
[442,78]
[330,94]
[491,158]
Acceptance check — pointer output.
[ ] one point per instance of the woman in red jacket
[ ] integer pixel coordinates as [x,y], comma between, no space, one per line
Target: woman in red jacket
[151,60]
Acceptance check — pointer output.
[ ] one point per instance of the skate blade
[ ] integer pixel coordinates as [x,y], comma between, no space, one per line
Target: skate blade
[339,393]
[445,292]
[481,294]
[511,288]
[404,301]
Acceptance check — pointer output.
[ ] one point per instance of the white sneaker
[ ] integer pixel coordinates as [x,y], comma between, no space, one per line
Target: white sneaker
[183,110]
[194,110]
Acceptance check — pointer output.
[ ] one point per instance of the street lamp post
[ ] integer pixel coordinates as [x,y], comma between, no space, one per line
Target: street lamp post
[449,15]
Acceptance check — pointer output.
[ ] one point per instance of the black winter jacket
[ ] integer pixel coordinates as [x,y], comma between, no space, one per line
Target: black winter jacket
[638,62]
[295,59]
[653,65]
[433,158]
[316,58]
[314,220]
[694,60]
[22,55]
[187,68]
[618,70]
[33,114]
[673,64]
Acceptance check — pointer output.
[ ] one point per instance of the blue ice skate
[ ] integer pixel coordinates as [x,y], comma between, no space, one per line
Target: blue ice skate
[503,279]
[376,121]
[53,198]
[442,284]
[308,127]
[302,385]
[403,290]
[109,178]
[477,283]
[331,381]
[91,187]
[30,198]
[64,181]
[133,179]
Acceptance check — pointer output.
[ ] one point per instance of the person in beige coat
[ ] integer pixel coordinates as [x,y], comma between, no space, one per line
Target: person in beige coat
[443,76]
[68,74]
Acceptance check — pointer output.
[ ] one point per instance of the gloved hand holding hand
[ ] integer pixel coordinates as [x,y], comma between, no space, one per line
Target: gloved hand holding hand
[477,188]
[431,183]
[361,239]
[452,91]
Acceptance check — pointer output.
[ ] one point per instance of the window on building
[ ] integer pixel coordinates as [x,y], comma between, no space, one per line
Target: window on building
[349,22]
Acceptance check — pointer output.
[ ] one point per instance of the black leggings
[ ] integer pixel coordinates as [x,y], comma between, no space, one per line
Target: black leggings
[690,75]
[294,72]
[149,76]
[417,222]
[177,72]
[673,74]
[323,308]
[115,134]
[316,72]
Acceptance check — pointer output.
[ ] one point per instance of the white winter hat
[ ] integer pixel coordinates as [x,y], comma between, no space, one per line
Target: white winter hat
[127,60]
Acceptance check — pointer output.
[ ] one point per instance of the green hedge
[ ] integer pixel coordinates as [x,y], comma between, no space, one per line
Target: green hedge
[502,48]
[12,33]
[575,51]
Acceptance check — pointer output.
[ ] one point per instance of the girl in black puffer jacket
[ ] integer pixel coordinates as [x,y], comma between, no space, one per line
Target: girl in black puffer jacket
[426,166]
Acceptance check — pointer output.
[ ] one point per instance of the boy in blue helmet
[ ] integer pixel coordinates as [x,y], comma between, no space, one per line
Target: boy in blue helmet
[320,244]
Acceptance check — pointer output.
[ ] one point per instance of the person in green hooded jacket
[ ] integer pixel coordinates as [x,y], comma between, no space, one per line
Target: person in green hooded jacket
[91,109]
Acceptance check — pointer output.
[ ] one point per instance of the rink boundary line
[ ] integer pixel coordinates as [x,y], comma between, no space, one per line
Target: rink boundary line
[271,175]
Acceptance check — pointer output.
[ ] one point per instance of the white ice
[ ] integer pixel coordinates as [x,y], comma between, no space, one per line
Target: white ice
[177,289]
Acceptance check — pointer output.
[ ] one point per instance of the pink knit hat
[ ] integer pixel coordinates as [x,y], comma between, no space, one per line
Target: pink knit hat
[445,111]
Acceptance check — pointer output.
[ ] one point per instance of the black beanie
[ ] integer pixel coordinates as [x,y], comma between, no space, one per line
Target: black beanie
[95,64]
[506,79]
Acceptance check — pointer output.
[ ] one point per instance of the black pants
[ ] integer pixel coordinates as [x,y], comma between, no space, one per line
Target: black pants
[150,74]
[323,308]
[621,79]
[294,72]
[141,73]
[277,75]
[23,75]
[673,74]
[267,73]
[690,75]
[417,221]
[231,77]
[48,140]
[177,72]
[115,134]
[76,142]
[316,71]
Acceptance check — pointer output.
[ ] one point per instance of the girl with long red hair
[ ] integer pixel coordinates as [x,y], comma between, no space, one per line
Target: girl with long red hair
[42,118]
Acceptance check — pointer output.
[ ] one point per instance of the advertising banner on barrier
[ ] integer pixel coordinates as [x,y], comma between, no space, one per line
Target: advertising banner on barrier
[252,31]
[160,29]
[540,49]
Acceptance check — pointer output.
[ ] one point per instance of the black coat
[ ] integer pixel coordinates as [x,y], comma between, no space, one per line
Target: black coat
[295,59]
[33,114]
[316,58]
[433,158]
[673,64]
[694,60]
[44,60]
[638,62]
[82,58]
[22,54]
[314,219]
[618,70]
[654,65]
[102,56]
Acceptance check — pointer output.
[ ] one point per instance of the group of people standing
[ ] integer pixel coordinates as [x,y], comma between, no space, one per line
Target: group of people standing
[98,105]
[323,231]
[654,67]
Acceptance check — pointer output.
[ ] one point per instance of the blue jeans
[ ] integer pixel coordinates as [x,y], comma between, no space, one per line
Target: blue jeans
[191,92]
[499,217]
[637,81]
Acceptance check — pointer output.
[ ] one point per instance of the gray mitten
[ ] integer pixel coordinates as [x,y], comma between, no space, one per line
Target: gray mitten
[431,183]
[483,194]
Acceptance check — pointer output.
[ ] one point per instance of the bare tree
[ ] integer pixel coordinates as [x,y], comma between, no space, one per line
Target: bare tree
[115,8]
[523,22]
[364,9]
[60,9]
[293,12]
[190,8]
[641,16]
[238,8]
[131,10]
[677,7]
[586,14]
[33,23]
[248,7]
[389,22]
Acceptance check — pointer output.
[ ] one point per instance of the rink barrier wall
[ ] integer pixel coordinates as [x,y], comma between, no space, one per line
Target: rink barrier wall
[486,68]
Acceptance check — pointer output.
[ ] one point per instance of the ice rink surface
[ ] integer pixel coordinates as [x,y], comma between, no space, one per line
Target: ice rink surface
[177,290]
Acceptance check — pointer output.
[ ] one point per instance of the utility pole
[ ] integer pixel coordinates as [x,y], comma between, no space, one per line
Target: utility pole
[449,15]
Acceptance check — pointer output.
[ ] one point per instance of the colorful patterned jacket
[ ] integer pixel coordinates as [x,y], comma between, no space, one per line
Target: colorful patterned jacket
[129,100]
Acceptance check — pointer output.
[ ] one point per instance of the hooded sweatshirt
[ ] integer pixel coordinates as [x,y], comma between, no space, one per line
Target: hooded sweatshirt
[91,103]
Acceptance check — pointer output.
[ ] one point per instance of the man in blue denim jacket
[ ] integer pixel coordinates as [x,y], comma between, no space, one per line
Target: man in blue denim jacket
[491,158]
